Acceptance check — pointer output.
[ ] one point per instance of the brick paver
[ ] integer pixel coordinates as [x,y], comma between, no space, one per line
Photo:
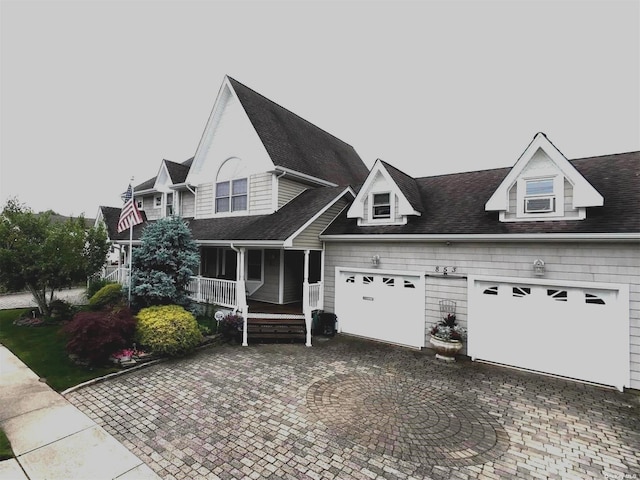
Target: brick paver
[352,409]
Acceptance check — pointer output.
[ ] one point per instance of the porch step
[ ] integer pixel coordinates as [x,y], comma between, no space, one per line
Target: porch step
[287,327]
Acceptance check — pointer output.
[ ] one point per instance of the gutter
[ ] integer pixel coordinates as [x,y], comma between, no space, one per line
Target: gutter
[514,237]
[303,176]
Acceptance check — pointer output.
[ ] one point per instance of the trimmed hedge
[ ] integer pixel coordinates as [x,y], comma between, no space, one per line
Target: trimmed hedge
[168,330]
[109,295]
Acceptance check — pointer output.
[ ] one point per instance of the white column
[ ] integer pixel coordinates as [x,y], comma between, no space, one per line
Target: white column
[306,308]
[242,293]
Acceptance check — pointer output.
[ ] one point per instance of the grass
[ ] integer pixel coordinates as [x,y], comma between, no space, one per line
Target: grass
[42,349]
[5,447]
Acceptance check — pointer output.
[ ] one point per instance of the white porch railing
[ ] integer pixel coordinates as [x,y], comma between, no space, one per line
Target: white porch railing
[120,275]
[213,290]
[224,292]
[315,296]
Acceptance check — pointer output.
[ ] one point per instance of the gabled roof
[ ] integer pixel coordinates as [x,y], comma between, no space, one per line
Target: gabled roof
[584,195]
[276,227]
[454,204]
[410,202]
[296,144]
[407,186]
[177,172]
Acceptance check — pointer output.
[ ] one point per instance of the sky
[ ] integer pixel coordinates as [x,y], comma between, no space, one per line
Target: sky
[93,93]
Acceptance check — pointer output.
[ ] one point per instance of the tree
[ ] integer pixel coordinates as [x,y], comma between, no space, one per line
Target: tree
[163,264]
[44,256]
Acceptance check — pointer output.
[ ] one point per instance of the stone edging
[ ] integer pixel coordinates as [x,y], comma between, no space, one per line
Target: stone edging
[127,370]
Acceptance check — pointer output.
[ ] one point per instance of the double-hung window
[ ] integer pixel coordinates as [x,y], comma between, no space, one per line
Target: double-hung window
[231,196]
[381,205]
[539,196]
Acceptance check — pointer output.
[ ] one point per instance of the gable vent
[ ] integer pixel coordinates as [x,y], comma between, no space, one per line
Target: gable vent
[539,204]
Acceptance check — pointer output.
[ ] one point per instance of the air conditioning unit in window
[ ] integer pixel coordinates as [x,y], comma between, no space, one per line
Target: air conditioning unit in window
[540,204]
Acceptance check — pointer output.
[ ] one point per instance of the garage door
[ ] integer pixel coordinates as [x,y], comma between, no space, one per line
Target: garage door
[382,306]
[575,330]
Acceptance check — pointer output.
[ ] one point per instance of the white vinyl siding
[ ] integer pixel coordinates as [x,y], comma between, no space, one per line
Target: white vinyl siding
[594,262]
[152,212]
[269,292]
[288,190]
[187,204]
[308,239]
[204,200]
[260,194]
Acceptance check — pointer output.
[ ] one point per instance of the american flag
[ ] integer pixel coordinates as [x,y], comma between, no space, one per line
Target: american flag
[129,215]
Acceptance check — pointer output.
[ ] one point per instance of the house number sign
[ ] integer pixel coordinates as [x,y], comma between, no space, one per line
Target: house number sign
[445,270]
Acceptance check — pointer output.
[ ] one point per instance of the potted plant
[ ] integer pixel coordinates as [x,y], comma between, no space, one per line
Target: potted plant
[447,337]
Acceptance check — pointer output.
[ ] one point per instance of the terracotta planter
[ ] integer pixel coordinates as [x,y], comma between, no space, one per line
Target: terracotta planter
[445,349]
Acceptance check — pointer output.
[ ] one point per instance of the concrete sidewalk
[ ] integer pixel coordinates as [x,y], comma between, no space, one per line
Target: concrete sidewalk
[51,438]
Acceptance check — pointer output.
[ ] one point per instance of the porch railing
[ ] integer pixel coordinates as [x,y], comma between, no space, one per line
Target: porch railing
[120,275]
[214,290]
[222,292]
[315,296]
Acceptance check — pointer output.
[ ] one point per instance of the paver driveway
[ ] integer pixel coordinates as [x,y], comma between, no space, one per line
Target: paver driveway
[349,408]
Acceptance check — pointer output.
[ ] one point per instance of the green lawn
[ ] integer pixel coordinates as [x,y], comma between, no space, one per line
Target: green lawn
[5,447]
[42,350]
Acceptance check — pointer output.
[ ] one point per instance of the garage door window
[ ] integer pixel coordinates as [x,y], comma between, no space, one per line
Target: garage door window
[558,295]
[521,292]
[491,291]
[593,299]
[388,281]
[408,284]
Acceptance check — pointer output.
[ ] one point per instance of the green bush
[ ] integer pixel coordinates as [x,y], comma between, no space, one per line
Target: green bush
[109,295]
[61,309]
[167,330]
[96,284]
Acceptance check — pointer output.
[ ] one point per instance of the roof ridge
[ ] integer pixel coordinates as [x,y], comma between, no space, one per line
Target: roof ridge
[396,168]
[289,111]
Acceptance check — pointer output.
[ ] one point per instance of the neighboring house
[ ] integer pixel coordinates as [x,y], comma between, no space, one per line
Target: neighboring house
[542,259]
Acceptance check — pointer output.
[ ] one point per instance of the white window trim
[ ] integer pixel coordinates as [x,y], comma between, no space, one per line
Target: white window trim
[392,220]
[155,203]
[230,213]
[558,194]
[372,204]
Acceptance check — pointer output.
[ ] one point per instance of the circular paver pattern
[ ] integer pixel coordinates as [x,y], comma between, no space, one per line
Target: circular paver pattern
[407,419]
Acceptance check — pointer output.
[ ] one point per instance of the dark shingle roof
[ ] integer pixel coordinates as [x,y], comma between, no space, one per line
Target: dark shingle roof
[297,144]
[407,186]
[177,171]
[454,204]
[278,226]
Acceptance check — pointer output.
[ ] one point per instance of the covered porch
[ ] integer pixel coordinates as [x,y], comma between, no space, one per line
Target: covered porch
[267,286]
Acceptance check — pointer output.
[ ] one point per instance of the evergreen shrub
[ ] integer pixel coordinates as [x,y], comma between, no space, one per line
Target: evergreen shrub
[107,296]
[94,336]
[168,330]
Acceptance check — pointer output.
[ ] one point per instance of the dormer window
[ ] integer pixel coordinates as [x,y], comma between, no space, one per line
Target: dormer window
[381,206]
[539,196]
[231,196]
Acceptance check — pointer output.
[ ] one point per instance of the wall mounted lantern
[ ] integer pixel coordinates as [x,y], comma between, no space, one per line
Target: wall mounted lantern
[375,260]
[538,267]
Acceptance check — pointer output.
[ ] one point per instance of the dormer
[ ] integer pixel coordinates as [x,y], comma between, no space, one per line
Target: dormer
[543,185]
[387,197]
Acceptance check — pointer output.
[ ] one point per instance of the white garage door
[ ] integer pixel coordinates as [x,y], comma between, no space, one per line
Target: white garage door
[381,306]
[572,330]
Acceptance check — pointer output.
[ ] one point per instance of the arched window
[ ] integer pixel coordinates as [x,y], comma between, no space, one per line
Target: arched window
[231,187]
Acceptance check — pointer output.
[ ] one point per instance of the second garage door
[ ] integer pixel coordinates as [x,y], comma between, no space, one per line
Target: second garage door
[382,306]
[577,330]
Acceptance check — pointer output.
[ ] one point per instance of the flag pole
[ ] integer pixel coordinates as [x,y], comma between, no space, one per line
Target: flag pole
[131,243]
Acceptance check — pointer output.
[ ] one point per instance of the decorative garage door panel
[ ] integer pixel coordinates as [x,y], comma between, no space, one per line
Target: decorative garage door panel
[387,307]
[580,333]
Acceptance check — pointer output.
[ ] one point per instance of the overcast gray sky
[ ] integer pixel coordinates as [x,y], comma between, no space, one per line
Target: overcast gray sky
[94,92]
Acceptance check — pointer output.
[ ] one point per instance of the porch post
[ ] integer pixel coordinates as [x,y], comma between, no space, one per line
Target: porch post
[241,291]
[305,297]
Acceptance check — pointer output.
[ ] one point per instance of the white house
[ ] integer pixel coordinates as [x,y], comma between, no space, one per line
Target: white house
[542,258]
